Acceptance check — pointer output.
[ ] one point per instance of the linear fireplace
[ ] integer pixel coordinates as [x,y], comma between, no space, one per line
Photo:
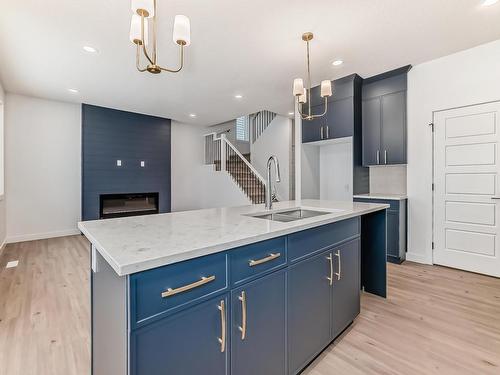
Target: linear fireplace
[134,204]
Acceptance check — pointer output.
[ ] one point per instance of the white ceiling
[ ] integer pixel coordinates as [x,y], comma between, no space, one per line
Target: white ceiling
[248,47]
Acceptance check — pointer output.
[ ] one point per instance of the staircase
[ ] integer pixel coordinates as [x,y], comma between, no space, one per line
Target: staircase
[224,155]
[259,122]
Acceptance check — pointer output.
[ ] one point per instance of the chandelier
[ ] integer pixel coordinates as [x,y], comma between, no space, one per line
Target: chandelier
[144,10]
[303,94]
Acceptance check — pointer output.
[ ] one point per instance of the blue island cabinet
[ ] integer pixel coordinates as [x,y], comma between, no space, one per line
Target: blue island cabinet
[266,308]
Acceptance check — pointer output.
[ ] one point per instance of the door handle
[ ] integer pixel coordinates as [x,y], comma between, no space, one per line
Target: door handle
[270,257]
[330,259]
[172,292]
[385,156]
[327,132]
[378,156]
[338,274]
[321,132]
[243,327]
[222,338]
[495,197]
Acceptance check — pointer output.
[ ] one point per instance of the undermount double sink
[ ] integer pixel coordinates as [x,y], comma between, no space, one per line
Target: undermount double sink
[291,215]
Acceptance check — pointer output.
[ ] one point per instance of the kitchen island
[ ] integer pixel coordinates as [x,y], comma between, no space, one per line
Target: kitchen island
[234,290]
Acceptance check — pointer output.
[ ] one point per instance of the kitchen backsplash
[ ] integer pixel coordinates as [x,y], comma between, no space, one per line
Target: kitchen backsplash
[388,179]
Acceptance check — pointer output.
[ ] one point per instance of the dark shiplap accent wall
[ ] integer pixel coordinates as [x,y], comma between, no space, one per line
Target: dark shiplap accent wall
[109,135]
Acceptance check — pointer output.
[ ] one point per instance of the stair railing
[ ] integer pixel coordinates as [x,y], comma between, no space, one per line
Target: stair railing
[259,122]
[226,157]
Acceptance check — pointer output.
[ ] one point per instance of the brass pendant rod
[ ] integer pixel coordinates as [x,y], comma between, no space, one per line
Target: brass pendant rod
[181,62]
[309,80]
[144,41]
[154,35]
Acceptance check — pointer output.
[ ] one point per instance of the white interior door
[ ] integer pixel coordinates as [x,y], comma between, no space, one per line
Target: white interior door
[466,192]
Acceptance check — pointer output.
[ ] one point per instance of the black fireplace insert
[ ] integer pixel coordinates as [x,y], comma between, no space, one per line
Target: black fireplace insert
[132,204]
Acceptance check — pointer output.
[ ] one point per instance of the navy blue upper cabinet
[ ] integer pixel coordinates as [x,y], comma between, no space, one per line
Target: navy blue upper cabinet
[167,346]
[258,340]
[384,118]
[309,309]
[346,285]
[341,115]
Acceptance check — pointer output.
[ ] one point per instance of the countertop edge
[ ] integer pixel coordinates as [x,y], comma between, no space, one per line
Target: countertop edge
[381,196]
[128,269]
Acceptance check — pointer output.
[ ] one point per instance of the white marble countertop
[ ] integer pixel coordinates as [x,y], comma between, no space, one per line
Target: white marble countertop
[139,243]
[396,197]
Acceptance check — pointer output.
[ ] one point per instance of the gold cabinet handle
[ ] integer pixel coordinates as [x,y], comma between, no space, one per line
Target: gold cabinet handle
[337,254]
[222,338]
[171,292]
[243,327]
[270,257]
[330,260]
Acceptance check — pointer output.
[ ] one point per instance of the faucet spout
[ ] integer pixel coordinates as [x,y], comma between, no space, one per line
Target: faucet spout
[269,189]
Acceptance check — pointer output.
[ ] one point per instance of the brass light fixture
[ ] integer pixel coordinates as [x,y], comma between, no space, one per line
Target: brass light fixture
[143,10]
[303,94]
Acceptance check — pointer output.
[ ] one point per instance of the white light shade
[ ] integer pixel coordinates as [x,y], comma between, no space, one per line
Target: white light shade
[147,5]
[182,30]
[298,86]
[135,30]
[303,97]
[326,88]
[487,3]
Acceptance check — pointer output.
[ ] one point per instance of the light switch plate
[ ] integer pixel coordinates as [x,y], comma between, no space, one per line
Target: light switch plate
[143,164]
[118,163]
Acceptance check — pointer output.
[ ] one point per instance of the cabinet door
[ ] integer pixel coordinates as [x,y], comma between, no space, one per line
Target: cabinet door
[258,339]
[311,130]
[341,118]
[168,345]
[393,150]
[346,285]
[309,310]
[392,234]
[371,131]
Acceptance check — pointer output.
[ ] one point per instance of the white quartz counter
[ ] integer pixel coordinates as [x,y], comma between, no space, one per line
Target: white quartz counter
[395,197]
[139,243]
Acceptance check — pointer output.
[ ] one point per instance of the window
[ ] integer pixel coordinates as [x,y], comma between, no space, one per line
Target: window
[242,128]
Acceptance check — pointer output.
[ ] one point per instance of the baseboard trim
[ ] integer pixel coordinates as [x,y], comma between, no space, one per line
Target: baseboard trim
[41,236]
[2,246]
[418,258]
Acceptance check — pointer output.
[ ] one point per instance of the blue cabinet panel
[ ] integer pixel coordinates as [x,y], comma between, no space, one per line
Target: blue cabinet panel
[317,239]
[312,129]
[309,310]
[257,259]
[346,285]
[392,234]
[262,349]
[186,343]
[146,287]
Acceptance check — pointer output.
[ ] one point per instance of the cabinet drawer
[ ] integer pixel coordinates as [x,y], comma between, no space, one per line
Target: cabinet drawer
[256,259]
[314,240]
[159,291]
[393,203]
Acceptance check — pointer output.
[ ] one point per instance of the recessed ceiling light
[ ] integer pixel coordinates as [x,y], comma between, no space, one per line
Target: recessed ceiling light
[337,62]
[90,49]
[238,96]
[73,91]
[487,3]
[193,115]
[290,113]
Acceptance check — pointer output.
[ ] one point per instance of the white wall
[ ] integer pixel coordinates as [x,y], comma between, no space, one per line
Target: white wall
[275,140]
[195,185]
[336,171]
[388,179]
[3,225]
[465,78]
[43,178]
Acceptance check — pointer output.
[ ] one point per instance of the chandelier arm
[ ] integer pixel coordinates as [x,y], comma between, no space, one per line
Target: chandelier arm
[138,60]
[181,62]
[154,34]
[143,42]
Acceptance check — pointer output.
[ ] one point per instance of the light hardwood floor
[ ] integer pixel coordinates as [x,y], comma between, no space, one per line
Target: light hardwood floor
[435,320]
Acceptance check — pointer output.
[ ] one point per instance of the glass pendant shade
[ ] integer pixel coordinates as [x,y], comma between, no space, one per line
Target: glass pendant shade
[147,5]
[135,30]
[303,97]
[182,30]
[326,88]
[298,86]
